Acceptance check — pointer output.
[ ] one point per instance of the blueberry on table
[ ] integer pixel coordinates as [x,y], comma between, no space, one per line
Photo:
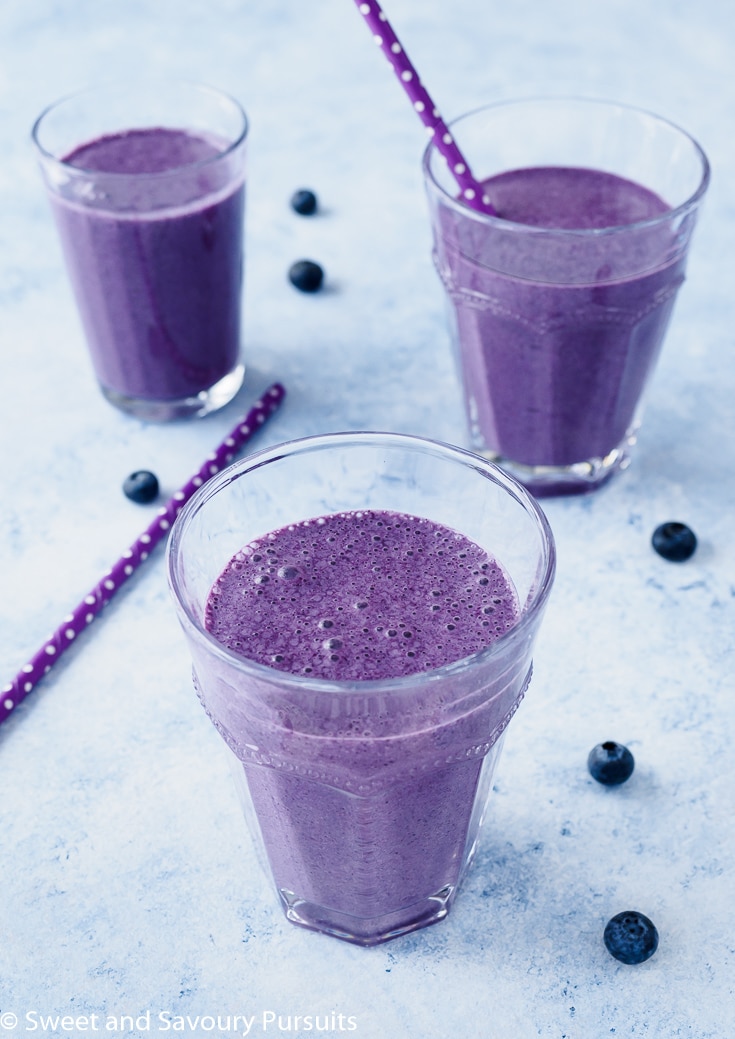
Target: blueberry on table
[610,763]
[674,541]
[306,275]
[304,202]
[631,937]
[141,487]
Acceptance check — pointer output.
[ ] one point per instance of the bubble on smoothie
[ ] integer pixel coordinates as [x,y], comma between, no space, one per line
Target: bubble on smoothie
[288,573]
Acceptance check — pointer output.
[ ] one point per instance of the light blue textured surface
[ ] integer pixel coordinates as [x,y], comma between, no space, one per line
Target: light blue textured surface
[128,881]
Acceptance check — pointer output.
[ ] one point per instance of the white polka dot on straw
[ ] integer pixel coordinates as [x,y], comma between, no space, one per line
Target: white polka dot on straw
[75,622]
[408,77]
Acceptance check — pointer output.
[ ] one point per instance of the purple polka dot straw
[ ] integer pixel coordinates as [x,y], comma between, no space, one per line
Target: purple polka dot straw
[383,34]
[82,616]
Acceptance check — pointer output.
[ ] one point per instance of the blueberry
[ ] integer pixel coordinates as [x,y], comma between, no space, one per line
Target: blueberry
[306,275]
[674,541]
[141,487]
[304,202]
[610,763]
[631,937]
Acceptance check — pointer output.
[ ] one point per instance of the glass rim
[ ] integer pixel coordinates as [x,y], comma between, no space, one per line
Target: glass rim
[460,206]
[82,171]
[287,680]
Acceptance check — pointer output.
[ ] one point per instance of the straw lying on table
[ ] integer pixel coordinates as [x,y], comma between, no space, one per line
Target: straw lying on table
[385,37]
[75,623]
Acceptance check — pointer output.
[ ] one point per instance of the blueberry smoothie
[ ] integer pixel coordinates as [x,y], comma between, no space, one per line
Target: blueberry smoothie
[155,259]
[557,332]
[369,803]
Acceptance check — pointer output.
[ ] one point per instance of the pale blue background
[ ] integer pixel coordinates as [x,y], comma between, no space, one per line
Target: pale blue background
[128,881]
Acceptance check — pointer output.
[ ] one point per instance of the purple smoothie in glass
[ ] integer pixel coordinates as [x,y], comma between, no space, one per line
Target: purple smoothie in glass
[365,793]
[556,348]
[156,262]
[366,811]
[558,303]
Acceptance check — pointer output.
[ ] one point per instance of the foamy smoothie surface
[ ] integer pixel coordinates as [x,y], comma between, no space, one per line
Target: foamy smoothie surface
[360,595]
[153,150]
[567,198]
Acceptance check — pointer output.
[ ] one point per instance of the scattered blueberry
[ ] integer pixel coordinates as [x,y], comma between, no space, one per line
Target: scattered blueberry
[304,202]
[141,487]
[610,763]
[306,275]
[674,541]
[631,937]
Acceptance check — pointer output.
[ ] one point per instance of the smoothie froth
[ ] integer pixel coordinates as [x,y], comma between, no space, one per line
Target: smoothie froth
[359,596]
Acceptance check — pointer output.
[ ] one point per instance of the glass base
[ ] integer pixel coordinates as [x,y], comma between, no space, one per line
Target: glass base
[196,406]
[367,931]
[548,481]
[364,931]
